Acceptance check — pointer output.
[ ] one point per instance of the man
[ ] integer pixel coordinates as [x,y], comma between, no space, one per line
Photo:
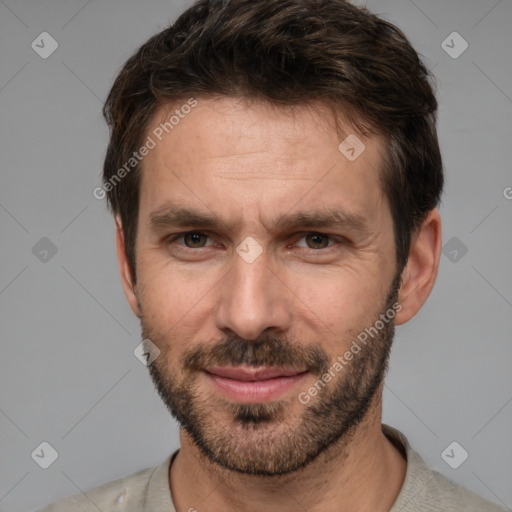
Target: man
[274,173]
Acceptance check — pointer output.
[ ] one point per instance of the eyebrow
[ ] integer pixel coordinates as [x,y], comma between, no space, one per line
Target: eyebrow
[181,217]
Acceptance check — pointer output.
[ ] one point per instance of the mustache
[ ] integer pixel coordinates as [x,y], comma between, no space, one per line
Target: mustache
[270,351]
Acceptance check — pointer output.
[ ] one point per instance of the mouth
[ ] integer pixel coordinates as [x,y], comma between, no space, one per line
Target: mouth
[254,384]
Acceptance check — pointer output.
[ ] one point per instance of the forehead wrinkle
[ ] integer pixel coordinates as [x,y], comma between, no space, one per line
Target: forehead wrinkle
[244,176]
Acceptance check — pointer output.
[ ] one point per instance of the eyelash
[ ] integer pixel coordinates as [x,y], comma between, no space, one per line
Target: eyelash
[336,240]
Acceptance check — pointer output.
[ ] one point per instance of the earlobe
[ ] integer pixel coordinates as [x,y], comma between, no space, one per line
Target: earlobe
[129,287]
[419,275]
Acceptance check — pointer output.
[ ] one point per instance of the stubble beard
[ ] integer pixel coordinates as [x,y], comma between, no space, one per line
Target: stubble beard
[265,439]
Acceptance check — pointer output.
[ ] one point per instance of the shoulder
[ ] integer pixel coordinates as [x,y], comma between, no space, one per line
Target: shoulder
[427,490]
[441,494]
[109,496]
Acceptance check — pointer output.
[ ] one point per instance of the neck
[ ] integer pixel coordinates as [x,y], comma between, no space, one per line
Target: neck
[362,471]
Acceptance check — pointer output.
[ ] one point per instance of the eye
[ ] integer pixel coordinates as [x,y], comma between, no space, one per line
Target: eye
[316,241]
[313,242]
[191,239]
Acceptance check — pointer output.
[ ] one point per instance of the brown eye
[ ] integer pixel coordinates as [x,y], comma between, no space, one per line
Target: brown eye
[317,241]
[194,240]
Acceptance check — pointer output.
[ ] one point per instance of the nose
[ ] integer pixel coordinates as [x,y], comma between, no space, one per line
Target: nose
[253,299]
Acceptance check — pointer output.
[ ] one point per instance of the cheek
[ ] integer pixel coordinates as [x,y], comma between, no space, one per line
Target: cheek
[173,301]
[340,303]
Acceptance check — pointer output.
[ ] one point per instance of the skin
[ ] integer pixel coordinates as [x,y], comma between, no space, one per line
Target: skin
[250,163]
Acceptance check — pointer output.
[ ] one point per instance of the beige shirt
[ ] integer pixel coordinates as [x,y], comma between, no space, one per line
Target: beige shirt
[423,490]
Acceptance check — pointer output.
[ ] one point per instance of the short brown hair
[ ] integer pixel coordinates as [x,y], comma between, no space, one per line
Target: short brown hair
[287,52]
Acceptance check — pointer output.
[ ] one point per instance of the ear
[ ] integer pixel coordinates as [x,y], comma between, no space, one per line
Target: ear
[420,273]
[130,289]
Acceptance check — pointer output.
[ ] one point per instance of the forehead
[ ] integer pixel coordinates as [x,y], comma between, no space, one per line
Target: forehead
[228,153]
[216,122]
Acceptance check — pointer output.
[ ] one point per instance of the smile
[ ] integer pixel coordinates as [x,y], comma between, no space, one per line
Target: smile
[254,384]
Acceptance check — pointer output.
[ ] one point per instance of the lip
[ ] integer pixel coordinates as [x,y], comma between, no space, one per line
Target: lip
[254,384]
[253,373]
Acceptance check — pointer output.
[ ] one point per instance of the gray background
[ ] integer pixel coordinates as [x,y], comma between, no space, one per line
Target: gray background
[67,369]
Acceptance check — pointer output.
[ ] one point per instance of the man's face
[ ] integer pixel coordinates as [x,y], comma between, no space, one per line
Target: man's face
[224,309]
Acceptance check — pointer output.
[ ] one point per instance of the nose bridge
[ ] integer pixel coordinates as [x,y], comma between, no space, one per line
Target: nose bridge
[252,301]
